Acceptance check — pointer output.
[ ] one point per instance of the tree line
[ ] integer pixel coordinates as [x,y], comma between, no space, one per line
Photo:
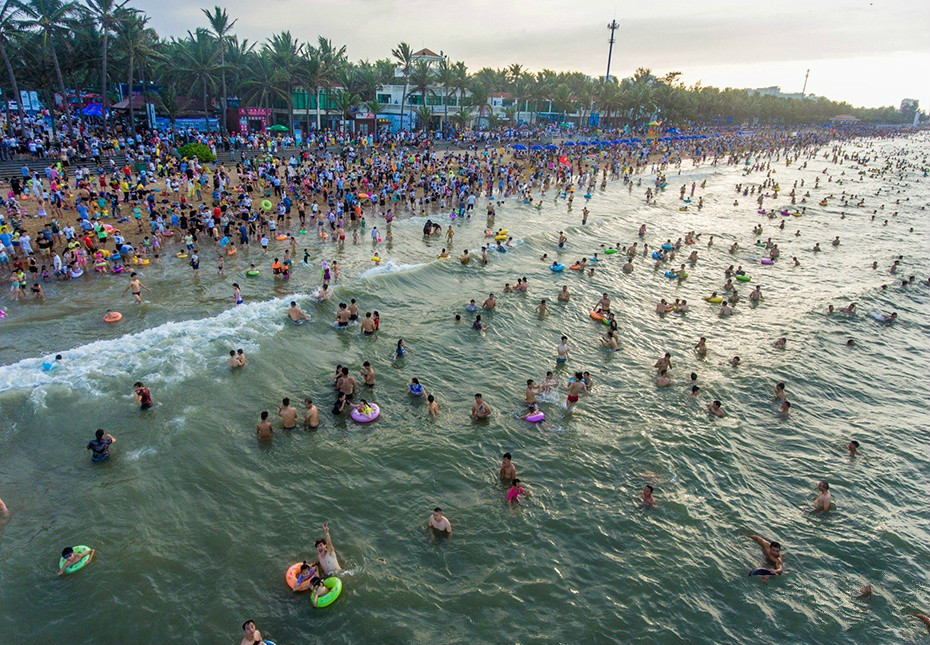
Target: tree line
[54,45]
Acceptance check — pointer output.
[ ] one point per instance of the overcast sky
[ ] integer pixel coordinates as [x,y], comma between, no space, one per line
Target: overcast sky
[868,53]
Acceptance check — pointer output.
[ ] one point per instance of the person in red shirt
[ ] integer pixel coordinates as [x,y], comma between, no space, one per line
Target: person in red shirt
[142,395]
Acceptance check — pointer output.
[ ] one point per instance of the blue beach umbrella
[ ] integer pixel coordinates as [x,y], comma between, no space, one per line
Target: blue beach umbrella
[569,143]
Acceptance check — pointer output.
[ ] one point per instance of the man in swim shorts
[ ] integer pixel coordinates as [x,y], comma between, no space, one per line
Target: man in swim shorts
[136,287]
[564,295]
[576,389]
[368,324]
[562,351]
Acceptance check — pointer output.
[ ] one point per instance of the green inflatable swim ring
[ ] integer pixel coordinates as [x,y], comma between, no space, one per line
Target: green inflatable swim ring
[334,585]
[743,278]
[77,566]
[609,251]
[251,273]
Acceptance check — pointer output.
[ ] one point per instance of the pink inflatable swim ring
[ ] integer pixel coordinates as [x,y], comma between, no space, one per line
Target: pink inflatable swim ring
[366,418]
[767,262]
[536,418]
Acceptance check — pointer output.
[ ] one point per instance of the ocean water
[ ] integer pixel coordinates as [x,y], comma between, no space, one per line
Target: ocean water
[195,522]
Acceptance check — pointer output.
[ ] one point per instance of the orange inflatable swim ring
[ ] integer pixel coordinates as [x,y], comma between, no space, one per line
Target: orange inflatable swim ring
[112,317]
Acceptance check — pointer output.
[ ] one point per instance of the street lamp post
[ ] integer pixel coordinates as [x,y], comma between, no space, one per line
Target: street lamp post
[613,26]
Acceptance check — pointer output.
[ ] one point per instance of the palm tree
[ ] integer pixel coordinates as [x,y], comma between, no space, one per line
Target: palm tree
[424,116]
[403,54]
[9,11]
[107,14]
[445,77]
[345,103]
[50,18]
[199,61]
[479,98]
[135,41]
[286,53]
[421,78]
[221,28]
[259,81]
[331,61]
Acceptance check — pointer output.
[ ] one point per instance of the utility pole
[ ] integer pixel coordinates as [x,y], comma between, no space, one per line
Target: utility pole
[613,26]
[804,89]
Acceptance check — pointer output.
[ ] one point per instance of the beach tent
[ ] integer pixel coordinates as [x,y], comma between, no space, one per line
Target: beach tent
[93,109]
[518,146]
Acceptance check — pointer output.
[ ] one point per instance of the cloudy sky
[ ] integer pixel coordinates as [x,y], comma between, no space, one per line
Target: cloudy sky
[868,53]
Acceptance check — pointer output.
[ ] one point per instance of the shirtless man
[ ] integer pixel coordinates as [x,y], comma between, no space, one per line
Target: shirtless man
[664,363]
[662,380]
[562,351]
[772,551]
[529,395]
[701,348]
[288,414]
[490,303]
[368,325]
[234,361]
[480,409]
[564,295]
[328,562]
[725,310]
[716,409]
[353,310]
[346,384]
[780,394]
[431,405]
[342,316]
[439,523]
[576,389]
[136,287]
[72,558]
[312,416]
[853,448]
[296,314]
[367,374]
[603,305]
[263,430]
[251,635]
[508,471]
[542,309]
[824,499]
[648,499]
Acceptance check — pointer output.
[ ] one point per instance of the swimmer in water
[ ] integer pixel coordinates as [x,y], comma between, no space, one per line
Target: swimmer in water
[438,523]
[701,348]
[663,380]
[508,471]
[295,313]
[772,551]
[263,430]
[576,389]
[824,498]
[648,499]
[71,558]
[431,405]
[136,287]
[328,562]
[251,635]
[480,409]
[853,448]
[288,414]
[716,409]
[564,295]
[234,360]
[515,492]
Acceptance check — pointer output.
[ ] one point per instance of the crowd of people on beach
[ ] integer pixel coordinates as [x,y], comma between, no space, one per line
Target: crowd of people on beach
[63,223]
